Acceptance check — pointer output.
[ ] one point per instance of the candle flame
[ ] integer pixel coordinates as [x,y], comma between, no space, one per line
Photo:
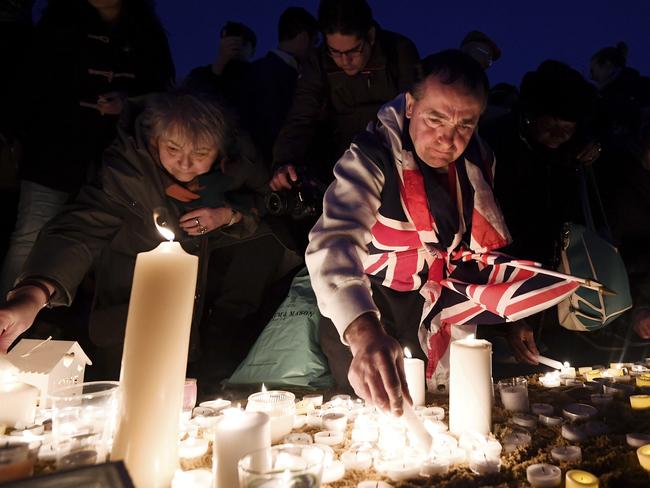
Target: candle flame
[567,364]
[263,390]
[164,231]
[471,337]
[407,352]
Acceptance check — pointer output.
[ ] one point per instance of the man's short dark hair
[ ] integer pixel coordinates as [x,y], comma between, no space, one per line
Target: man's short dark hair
[617,55]
[453,66]
[295,20]
[348,17]
[240,30]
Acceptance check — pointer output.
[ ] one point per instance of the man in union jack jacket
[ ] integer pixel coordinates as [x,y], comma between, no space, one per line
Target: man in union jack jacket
[403,253]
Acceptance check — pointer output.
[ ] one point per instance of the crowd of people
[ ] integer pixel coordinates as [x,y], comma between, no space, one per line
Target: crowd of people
[384,172]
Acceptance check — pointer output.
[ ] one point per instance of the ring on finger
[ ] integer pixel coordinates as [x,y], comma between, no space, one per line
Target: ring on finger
[203,229]
[198,222]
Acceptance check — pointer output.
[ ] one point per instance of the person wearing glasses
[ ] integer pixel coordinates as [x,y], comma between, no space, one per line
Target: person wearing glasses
[358,68]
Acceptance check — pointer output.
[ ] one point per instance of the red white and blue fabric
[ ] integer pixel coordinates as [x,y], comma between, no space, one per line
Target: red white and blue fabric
[462,278]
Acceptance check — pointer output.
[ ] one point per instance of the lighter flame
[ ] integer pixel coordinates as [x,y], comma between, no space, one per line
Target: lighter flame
[407,353]
[164,231]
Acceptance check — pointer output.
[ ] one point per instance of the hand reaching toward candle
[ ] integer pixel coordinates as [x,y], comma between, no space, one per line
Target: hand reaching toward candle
[377,369]
[204,220]
[19,313]
[522,342]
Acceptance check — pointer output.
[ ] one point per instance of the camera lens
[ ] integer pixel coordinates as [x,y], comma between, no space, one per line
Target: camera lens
[274,204]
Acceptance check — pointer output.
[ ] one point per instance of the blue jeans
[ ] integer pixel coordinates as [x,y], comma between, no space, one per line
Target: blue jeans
[36,206]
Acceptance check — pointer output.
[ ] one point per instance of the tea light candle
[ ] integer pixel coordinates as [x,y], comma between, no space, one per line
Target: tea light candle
[455,455]
[332,472]
[525,420]
[550,420]
[444,440]
[416,429]
[593,374]
[516,440]
[543,475]
[514,398]
[580,479]
[431,413]
[435,426]
[329,437]
[192,448]
[298,438]
[567,371]
[315,419]
[573,382]
[315,399]
[601,400]
[481,463]
[574,433]
[217,405]
[579,411]
[542,408]
[335,421]
[550,380]
[357,459]
[18,402]
[373,484]
[435,466]
[637,439]
[472,441]
[567,454]
[194,478]
[640,402]
[643,453]
[414,372]
[619,390]
[402,470]
[643,379]
[584,370]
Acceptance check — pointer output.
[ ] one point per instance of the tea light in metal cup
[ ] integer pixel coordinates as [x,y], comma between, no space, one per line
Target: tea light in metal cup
[579,411]
[544,475]
[515,440]
[357,459]
[435,466]
[332,472]
[567,454]
[643,454]
[640,402]
[580,479]
[550,420]
[329,437]
[574,433]
[216,405]
[298,438]
[480,463]
[637,439]
[619,390]
[525,420]
[335,421]
[542,408]
[550,380]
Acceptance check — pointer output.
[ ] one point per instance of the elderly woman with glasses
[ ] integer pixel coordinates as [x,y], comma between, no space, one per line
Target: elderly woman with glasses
[177,157]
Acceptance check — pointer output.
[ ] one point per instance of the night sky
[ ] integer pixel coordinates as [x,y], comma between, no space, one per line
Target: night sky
[527,31]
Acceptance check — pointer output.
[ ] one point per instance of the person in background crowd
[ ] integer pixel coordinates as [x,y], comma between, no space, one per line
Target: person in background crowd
[501,101]
[225,77]
[272,79]
[479,46]
[624,99]
[178,157]
[87,57]
[358,68]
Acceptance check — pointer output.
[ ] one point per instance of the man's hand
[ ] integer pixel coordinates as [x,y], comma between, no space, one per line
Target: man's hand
[204,220]
[19,314]
[522,342]
[283,178]
[641,323]
[377,369]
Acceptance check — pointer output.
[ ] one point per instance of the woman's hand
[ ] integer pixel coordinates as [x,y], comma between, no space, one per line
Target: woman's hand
[204,220]
[19,314]
[590,153]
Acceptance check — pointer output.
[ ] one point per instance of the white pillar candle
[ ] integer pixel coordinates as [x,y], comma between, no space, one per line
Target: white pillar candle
[470,386]
[637,439]
[414,371]
[238,433]
[567,454]
[154,363]
[329,437]
[544,475]
[17,403]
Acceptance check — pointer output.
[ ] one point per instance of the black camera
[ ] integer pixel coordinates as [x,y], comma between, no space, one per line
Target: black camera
[305,199]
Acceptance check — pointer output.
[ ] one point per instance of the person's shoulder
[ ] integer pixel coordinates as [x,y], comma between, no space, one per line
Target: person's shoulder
[395,41]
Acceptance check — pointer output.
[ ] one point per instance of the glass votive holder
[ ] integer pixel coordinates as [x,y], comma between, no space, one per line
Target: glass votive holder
[284,465]
[83,422]
[514,394]
[15,462]
[189,394]
[279,405]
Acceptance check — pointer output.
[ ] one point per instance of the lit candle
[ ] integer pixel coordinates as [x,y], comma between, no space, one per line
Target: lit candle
[580,479]
[579,411]
[194,478]
[335,421]
[435,466]
[643,379]
[551,380]
[543,475]
[18,402]
[237,434]
[567,454]
[470,386]
[357,459]
[643,453]
[414,371]
[481,463]
[416,428]
[640,402]
[567,371]
[592,374]
[373,484]
[298,438]
[514,394]
[154,362]
[314,399]
[637,439]
[403,469]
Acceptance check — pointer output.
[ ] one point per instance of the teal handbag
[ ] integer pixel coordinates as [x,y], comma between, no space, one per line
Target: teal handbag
[587,254]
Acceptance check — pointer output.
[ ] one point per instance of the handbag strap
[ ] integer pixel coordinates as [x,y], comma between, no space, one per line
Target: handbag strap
[587,179]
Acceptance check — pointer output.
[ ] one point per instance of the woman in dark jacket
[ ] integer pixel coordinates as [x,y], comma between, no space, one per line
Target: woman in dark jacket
[180,161]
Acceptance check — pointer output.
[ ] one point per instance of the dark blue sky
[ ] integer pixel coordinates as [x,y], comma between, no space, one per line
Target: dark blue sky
[527,31]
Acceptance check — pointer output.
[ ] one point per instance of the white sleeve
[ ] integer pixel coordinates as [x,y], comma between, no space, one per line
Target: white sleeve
[338,243]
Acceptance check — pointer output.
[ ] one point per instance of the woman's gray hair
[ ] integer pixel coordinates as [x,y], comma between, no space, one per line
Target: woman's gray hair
[196,117]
